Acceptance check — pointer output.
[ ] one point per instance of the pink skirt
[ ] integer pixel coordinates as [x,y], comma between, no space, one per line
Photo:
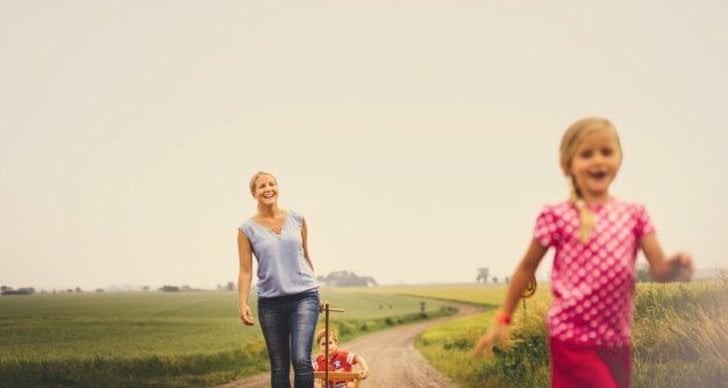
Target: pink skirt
[597,367]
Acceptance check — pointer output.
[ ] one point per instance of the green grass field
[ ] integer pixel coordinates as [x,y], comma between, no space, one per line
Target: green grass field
[680,338]
[484,295]
[155,339]
[194,339]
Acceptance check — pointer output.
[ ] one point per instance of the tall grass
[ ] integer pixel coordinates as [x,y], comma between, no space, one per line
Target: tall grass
[680,339]
[449,347]
[681,335]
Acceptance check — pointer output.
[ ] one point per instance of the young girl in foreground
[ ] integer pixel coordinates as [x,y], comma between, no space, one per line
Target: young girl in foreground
[596,238]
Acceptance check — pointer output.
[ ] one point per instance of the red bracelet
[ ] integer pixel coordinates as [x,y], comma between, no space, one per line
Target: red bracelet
[503,318]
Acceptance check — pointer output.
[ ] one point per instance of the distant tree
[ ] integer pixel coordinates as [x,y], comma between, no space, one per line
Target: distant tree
[507,279]
[145,288]
[495,279]
[169,289]
[99,290]
[78,289]
[5,288]
[231,286]
[19,291]
[69,290]
[347,279]
[483,273]
[369,281]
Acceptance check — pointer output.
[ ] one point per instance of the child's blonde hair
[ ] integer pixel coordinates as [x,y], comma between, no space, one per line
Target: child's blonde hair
[569,143]
[322,334]
[255,178]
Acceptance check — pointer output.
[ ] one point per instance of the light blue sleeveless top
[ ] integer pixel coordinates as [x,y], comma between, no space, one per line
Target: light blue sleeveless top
[282,268]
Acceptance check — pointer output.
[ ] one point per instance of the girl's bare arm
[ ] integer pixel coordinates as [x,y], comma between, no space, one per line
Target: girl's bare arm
[665,269]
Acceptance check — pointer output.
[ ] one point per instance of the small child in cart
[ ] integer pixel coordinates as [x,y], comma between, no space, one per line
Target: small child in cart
[339,361]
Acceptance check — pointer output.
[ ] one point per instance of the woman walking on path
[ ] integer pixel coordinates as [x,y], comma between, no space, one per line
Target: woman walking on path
[288,297]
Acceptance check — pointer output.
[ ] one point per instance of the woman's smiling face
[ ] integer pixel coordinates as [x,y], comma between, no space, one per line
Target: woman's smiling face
[266,189]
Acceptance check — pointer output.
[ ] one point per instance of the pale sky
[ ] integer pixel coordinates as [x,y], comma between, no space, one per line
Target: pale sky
[418,138]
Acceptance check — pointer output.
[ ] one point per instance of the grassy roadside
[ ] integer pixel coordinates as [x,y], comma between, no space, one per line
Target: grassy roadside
[449,348]
[680,335]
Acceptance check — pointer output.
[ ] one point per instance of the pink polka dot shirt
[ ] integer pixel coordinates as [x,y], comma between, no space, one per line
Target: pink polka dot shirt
[593,282]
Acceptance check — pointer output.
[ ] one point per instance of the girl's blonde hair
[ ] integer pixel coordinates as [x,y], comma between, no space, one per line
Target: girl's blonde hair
[569,143]
[255,178]
[322,334]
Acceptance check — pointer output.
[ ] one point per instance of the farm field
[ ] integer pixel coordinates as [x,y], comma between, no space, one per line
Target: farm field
[680,335]
[154,338]
[485,295]
[194,339]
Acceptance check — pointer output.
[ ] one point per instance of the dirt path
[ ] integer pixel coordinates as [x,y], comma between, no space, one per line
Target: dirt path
[393,360]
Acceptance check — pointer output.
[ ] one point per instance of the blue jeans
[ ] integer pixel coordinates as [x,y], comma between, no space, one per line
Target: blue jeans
[288,323]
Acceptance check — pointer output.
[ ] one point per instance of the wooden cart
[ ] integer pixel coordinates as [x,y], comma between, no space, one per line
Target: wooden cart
[325,375]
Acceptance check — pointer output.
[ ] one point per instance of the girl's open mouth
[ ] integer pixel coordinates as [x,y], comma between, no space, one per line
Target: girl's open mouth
[598,175]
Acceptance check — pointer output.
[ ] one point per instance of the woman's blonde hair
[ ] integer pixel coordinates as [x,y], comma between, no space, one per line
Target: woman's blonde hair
[569,143]
[255,178]
[322,334]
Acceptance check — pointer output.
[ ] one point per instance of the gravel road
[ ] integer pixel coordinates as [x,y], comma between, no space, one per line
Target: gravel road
[392,358]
